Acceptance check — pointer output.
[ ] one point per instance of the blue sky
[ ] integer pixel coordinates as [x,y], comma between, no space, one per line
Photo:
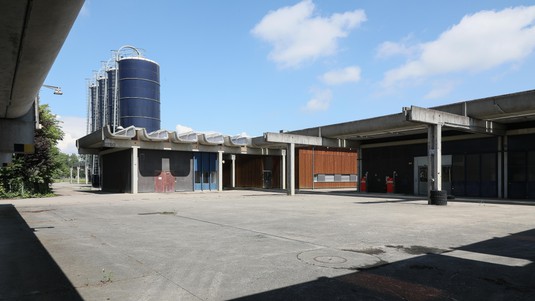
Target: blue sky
[258,66]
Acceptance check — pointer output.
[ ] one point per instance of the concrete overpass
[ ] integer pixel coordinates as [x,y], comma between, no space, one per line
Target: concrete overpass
[31,36]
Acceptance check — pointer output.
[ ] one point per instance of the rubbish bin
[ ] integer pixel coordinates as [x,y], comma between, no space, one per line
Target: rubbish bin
[95,181]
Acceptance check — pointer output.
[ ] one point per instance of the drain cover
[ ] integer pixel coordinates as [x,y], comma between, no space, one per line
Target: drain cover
[336,259]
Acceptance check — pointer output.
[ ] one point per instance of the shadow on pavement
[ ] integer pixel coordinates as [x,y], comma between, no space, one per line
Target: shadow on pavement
[496,269]
[383,197]
[27,271]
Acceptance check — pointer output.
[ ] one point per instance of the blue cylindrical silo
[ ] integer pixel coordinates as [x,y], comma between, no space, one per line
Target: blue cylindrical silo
[139,93]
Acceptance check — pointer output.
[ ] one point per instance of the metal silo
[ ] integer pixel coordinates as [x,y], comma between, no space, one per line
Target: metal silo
[112,117]
[93,100]
[101,92]
[139,93]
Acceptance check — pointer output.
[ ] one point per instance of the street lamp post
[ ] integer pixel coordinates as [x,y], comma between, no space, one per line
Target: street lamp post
[57,91]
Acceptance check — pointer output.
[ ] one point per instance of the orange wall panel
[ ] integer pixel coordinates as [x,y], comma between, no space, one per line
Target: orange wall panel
[324,161]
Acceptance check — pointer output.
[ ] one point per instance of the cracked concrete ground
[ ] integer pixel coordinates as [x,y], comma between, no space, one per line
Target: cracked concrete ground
[251,245]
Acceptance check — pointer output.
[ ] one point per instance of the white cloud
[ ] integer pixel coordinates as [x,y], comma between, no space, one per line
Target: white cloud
[440,90]
[298,35]
[243,134]
[479,42]
[403,48]
[74,128]
[320,101]
[347,75]
[183,129]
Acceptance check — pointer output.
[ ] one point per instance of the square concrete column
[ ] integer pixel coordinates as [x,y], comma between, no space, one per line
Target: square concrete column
[101,168]
[220,171]
[290,169]
[233,171]
[505,168]
[434,155]
[283,169]
[86,172]
[134,170]
[500,167]
[359,167]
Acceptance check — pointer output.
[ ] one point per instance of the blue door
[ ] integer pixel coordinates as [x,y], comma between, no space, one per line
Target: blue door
[205,169]
[213,171]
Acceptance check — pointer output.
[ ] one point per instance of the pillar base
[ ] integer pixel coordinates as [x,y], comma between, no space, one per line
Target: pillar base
[438,197]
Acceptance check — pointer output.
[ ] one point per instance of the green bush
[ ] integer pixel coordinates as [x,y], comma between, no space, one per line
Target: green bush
[31,175]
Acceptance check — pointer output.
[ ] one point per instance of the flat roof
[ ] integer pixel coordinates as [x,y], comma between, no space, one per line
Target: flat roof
[508,110]
[504,109]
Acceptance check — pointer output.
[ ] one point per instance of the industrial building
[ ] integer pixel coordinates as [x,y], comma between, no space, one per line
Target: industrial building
[124,106]
[476,148]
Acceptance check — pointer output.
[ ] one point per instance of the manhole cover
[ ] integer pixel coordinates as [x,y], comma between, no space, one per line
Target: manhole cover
[337,259]
[330,259]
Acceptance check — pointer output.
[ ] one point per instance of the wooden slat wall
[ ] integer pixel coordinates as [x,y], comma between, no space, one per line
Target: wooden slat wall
[249,171]
[326,161]
[276,172]
[227,168]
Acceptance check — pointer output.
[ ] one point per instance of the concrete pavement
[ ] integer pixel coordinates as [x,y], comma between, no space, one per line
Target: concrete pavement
[253,245]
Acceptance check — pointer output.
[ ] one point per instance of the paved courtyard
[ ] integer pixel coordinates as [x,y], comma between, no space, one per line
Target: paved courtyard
[254,245]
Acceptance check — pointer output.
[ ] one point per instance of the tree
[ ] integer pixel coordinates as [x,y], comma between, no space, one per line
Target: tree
[66,161]
[32,174]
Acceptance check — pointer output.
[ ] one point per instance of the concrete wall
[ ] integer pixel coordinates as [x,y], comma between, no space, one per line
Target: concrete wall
[165,171]
[16,131]
[116,172]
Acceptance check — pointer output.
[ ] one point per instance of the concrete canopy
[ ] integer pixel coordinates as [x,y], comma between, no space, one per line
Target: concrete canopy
[104,140]
[503,110]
